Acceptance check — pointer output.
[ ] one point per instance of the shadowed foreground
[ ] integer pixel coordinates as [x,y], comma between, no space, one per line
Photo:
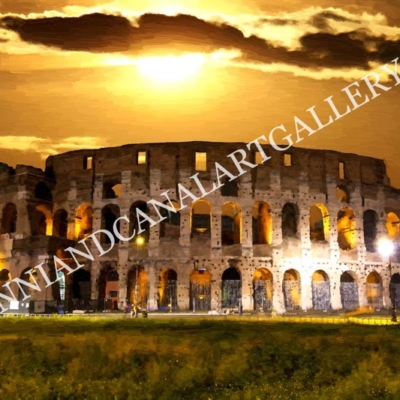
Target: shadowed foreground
[196,359]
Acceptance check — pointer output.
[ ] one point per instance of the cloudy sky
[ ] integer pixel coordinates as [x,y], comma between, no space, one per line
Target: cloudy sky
[82,73]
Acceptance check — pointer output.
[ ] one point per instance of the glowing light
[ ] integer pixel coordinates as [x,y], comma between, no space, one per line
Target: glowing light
[385,247]
[139,240]
[170,68]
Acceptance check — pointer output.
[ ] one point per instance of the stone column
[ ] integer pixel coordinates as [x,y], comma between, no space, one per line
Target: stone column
[247,231]
[278,302]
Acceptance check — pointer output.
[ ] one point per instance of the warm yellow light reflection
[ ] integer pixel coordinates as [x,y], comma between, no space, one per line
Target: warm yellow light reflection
[171,68]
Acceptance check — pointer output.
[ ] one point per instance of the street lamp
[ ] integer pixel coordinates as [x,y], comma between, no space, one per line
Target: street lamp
[386,248]
[139,242]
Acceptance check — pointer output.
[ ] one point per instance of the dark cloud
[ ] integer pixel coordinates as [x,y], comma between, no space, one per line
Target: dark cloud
[159,33]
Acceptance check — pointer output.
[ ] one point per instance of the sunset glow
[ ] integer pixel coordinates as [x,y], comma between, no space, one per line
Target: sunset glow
[171,68]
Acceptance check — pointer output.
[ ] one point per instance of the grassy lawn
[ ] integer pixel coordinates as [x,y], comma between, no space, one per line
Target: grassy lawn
[196,358]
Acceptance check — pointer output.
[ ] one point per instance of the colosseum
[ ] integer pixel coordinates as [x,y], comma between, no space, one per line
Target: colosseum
[297,233]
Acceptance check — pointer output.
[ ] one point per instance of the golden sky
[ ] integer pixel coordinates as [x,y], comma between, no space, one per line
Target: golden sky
[80,74]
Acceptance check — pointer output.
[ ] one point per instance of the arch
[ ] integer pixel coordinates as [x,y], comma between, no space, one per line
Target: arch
[200,290]
[81,289]
[394,288]
[349,291]
[392,225]
[60,223]
[346,227]
[108,288]
[321,295]
[342,194]
[290,219]
[167,290]
[262,289]
[370,226]
[43,192]
[374,291]
[5,276]
[200,217]
[262,223]
[109,214]
[231,224]
[138,290]
[133,218]
[231,288]
[9,219]
[30,278]
[319,222]
[112,188]
[41,221]
[292,290]
[170,226]
[229,188]
[83,221]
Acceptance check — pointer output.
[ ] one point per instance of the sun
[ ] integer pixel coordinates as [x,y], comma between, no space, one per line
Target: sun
[171,68]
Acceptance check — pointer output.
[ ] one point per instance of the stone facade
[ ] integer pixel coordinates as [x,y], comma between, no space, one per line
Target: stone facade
[297,232]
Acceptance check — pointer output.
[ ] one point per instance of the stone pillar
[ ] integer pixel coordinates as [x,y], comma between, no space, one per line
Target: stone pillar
[216,242]
[216,298]
[306,291]
[153,285]
[247,232]
[278,302]
[247,290]
[336,301]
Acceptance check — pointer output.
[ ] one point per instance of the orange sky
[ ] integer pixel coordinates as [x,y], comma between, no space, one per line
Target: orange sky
[265,64]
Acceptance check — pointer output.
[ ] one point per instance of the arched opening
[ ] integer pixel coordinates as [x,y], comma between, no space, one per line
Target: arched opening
[108,288]
[395,286]
[81,289]
[4,278]
[374,291]
[231,288]
[392,225]
[229,188]
[262,290]
[60,223]
[200,290]
[167,290]
[200,218]
[370,222]
[42,192]
[319,223]
[292,290]
[109,214]
[231,224]
[61,289]
[342,195]
[133,218]
[9,219]
[138,290]
[30,278]
[112,188]
[170,227]
[321,293]
[346,226]
[41,221]
[262,223]
[83,221]
[349,291]
[290,219]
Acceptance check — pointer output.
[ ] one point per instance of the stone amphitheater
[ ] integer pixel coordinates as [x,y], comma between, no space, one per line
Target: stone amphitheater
[297,233]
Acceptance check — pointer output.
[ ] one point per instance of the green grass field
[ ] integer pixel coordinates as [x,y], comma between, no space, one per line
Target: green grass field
[196,359]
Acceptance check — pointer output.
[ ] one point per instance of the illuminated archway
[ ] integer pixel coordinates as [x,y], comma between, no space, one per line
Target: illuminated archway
[134,224]
[108,288]
[60,223]
[200,217]
[319,223]
[5,276]
[262,223]
[321,293]
[167,290]
[83,221]
[374,290]
[138,290]
[292,290]
[349,291]
[392,225]
[41,221]
[170,226]
[346,226]
[262,289]
[290,220]
[30,278]
[200,290]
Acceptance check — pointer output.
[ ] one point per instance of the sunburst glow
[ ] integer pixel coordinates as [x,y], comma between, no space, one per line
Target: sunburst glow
[171,68]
